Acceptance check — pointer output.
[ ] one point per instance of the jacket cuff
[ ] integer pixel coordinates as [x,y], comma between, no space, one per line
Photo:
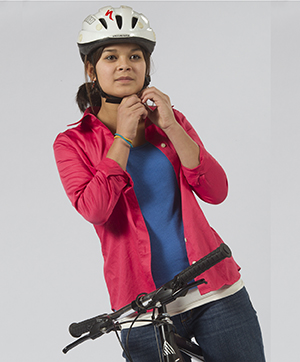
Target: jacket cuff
[111,169]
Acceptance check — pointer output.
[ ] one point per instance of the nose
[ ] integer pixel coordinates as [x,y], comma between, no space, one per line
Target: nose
[123,64]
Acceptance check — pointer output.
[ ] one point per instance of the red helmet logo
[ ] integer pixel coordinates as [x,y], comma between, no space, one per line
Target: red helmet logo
[109,13]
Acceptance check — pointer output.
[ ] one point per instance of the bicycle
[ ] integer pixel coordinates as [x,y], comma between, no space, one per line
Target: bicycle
[172,344]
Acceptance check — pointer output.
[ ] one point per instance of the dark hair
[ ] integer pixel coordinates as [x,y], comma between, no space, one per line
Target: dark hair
[88,94]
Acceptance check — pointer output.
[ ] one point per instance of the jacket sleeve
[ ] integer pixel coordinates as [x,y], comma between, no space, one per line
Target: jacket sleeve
[93,191]
[208,180]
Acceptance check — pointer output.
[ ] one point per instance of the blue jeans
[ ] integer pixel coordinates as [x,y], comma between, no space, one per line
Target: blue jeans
[227,330]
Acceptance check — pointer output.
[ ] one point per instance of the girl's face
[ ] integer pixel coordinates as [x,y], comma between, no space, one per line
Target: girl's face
[121,69]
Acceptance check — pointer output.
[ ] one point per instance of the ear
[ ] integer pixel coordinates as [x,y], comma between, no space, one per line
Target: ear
[90,71]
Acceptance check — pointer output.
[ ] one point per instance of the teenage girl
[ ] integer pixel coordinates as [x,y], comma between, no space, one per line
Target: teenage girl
[131,171]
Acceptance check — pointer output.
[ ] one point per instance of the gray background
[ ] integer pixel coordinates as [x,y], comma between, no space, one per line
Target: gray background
[232,69]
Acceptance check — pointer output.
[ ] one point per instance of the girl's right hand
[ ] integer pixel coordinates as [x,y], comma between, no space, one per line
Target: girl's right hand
[130,111]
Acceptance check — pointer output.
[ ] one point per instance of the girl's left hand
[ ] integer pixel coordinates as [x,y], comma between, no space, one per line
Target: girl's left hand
[163,115]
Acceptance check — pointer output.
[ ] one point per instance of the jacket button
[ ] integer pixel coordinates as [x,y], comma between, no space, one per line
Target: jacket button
[163,145]
[185,239]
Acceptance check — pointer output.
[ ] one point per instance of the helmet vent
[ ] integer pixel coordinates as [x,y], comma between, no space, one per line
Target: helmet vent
[103,22]
[119,20]
[134,20]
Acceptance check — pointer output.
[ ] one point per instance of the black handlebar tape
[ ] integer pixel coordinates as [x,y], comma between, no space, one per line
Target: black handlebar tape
[202,265]
[77,329]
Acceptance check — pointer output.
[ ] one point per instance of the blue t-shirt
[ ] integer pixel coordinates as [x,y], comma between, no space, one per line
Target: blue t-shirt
[158,194]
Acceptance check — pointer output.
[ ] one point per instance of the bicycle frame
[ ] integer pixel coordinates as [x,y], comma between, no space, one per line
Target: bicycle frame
[172,343]
[190,348]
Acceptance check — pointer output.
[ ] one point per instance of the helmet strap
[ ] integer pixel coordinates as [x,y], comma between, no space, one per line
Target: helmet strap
[109,98]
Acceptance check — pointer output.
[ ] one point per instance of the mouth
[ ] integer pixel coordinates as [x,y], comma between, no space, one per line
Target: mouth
[124,79]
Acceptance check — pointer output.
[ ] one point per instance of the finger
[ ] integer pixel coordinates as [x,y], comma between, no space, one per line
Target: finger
[130,100]
[153,95]
[150,90]
[137,110]
[146,98]
[146,94]
[148,108]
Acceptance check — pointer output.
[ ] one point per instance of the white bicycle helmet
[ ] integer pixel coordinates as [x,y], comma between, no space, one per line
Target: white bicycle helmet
[112,25]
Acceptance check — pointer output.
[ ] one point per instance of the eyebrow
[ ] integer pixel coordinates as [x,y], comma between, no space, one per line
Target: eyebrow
[115,50]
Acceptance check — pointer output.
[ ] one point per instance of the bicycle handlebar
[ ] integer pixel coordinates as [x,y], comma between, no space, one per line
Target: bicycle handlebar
[105,321]
[202,265]
[77,329]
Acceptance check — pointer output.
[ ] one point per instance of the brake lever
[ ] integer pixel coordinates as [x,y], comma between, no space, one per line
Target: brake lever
[102,325]
[76,343]
[169,292]
[181,292]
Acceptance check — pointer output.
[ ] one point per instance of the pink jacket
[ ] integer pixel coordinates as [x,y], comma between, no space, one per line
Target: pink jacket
[103,194]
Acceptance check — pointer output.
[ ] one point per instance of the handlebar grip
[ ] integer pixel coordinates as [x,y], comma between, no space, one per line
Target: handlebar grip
[77,329]
[202,265]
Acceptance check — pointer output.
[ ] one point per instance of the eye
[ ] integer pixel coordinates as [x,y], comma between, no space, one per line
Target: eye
[135,57]
[111,57]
